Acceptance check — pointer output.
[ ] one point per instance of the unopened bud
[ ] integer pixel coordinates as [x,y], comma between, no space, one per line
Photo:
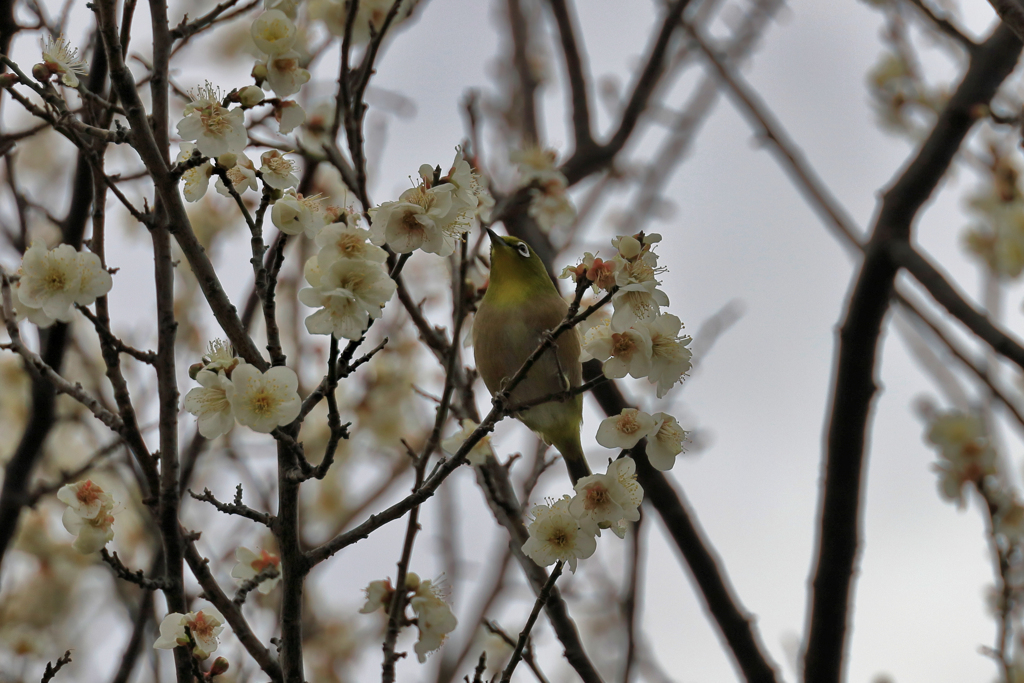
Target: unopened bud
[41,73]
[227,160]
[259,72]
[412,581]
[7,80]
[194,369]
[251,95]
[219,666]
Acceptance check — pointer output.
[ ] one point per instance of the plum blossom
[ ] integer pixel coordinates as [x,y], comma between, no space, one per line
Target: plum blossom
[92,532]
[242,175]
[55,279]
[204,627]
[623,353]
[555,534]
[273,32]
[285,74]
[62,60]
[197,178]
[348,293]
[215,129]
[289,116]
[665,441]
[264,400]
[479,453]
[434,619]
[278,172]
[294,214]
[966,455]
[638,297]
[599,272]
[378,595]
[670,357]
[250,565]
[420,219]
[85,499]
[624,430]
[209,402]
[341,240]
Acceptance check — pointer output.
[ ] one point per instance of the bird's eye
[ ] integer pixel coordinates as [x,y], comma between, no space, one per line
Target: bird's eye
[523,250]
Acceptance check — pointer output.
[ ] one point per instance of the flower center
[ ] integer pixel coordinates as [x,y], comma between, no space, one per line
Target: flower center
[559,538]
[88,493]
[597,497]
[279,165]
[350,245]
[262,403]
[622,345]
[55,281]
[628,424]
[214,119]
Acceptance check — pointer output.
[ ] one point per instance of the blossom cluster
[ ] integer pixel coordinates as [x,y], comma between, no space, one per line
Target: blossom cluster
[433,215]
[52,281]
[565,529]
[434,618]
[966,455]
[996,237]
[231,389]
[550,205]
[664,435]
[203,627]
[89,515]
[250,565]
[639,340]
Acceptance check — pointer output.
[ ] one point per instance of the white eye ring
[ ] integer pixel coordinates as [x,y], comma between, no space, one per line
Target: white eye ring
[523,250]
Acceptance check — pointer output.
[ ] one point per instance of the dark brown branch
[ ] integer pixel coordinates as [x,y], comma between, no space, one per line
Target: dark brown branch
[52,669]
[138,577]
[545,595]
[232,614]
[945,26]
[234,508]
[249,585]
[583,162]
[854,384]
[1012,14]
[576,76]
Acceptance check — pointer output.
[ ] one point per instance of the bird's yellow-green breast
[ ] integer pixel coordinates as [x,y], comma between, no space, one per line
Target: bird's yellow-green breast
[520,305]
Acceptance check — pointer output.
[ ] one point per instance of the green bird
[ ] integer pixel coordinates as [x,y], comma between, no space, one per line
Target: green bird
[520,305]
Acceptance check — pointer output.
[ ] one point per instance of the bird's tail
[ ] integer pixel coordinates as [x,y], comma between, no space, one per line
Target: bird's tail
[572,453]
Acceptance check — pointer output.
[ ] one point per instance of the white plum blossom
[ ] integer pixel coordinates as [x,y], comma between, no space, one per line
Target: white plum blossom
[242,176]
[197,179]
[638,298]
[624,470]
[627,352]
[422,218]
[209,402]
[263,401]
[62,59]
[670,355]
[285,74]
[478,453]
[220,357]
[665,441]
[434,619]
[340,240]
[966,454]
[293,214]
[378,595]
[555,534]
[348,293]
[550,205]
[55,279]
[278,172]
[599,272]
[289,116]
[92,532]
[595,502]
[250,565]
[273,32]
[205,626]
[85,499]
[625,429]
[215,129]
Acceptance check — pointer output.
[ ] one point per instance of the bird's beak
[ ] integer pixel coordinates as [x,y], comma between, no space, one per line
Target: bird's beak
[495,237]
